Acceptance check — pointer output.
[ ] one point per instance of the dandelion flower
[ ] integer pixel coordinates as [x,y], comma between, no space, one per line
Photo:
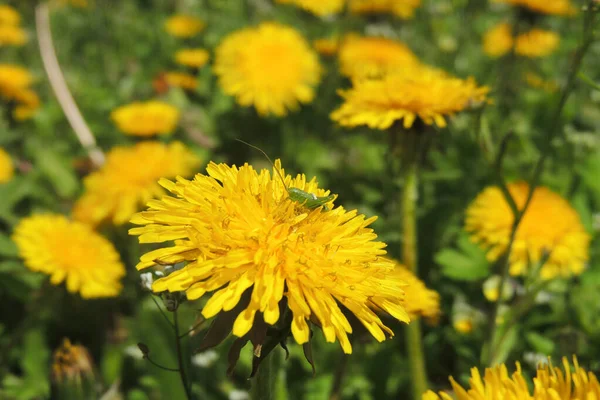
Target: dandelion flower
[463,324]
[7,170]
[270,67]
[550,383]
[9,16]
[319,8]
[536,81]
[537,43]
[184,26]
[426,93]
[146,119]
[401,8]
[12,36]
[553,7]
[327,46]
[194,58]
[28,103]
[373,56]
[128,180]
[71,252]
[242,238]
[418,299]
[13,80]
[550,225]
[181,80]
[498,40]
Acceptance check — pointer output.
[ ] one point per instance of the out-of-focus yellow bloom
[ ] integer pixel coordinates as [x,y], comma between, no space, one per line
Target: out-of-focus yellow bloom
[537,82]
[194,58]
[498,40]
[553,7]
[270,67]
[129,179]
[237,231]
[7,169]
[9,16]
[146,119]
[28,102]
[550,226]
[401,8]
[550,383]
[537,43]
[374,57]
[72,252]
[463,324]
[184,26]
[491,288]
[12,36]
[419,301]
[317,7]
[73,371]
[13,80]
[421,92]
[181,80]
[327,46]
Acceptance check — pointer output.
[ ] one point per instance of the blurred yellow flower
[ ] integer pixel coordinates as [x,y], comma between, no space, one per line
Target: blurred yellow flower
[401,8]
[13,79]
[270,67]
[238,232]
[12,36]
[28,103]
[146,119]
[373,57]
[181,80]
[463,324]
[550,226]
[537,43]
[554,7]
[9,16]
[317,7]
[498,40]
[194,58]
[72,252]
[536,81]
[71,364]
[184,26]
[7,169]
[129,179]
[327,46]
[420,92]
[419,301]
[550,383]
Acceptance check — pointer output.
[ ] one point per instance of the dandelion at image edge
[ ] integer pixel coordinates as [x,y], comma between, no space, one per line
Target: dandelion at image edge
[7,169]
[184,26]
[146,118]
[71,252]
[270,67]
[401,8]
[12,36]
[13,80]
[120,188]
[181,80]
[319,8]
[498,40]
[9,16]
[553,7]
[237,231]
[550,224]
[425,93]
[537,43]
[193,58]
[549,383]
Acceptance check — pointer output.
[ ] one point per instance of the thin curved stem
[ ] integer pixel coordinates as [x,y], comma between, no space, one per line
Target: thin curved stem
[180,363]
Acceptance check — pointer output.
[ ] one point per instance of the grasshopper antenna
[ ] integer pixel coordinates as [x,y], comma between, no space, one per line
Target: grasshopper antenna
[268,158]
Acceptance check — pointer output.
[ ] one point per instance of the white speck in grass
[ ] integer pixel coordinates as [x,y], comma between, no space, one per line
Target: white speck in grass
[238,395]
[134,352]
[205,359]
[146,280]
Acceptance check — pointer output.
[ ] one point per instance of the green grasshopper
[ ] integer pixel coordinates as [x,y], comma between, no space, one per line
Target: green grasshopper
[308,200]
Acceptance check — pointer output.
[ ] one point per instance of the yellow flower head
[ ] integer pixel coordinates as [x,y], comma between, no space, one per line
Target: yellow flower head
[184,26]
[9,16]
[373,56]
[422,92]
[72,252]
[327,46]
[536,81]
[537,43]
[194,58]
[270,67]
[243,238]
[317,7]
[419,300]
[71,362]
[550,383]
[13,80]
[12,36]
[553,7]
[401,8]
[7,170]
[146,119]
[181,80]
[498,40]
[549,225]
[129,179]
[28,103]
[463,324]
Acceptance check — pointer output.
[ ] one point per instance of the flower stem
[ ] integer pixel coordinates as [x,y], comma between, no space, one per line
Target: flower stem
[414,342]
[264,381]
[182,374]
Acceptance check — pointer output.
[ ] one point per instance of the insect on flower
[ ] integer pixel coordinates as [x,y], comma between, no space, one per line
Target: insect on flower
[306,199]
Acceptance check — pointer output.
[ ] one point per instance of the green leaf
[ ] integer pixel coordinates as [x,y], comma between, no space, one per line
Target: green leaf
[8,248]
[57,169]
[539,343]
[467,263]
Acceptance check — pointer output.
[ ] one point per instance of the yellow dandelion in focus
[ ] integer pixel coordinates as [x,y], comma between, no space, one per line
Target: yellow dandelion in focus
[146,119]
[181,80]
[71,252]
[424,93]
[537,43]
[243,239]
[550,383]
[184,26]
[9,16]
[327,46]
[498,40]
[7,169]
[373,56]
[319,8]
[194,58]
[12,36]
[13,80]
[400,8]
[550,225]
[418,299]
[129,179]
[553,7]
[270,67]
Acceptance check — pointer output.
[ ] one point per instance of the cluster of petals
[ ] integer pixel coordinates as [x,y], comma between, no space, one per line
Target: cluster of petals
[15,86]
[553,7]
[146,118]
[401,8]
[535,43]
[11,33]
[193,58]
[7,169]
[184,26]
[317,7]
